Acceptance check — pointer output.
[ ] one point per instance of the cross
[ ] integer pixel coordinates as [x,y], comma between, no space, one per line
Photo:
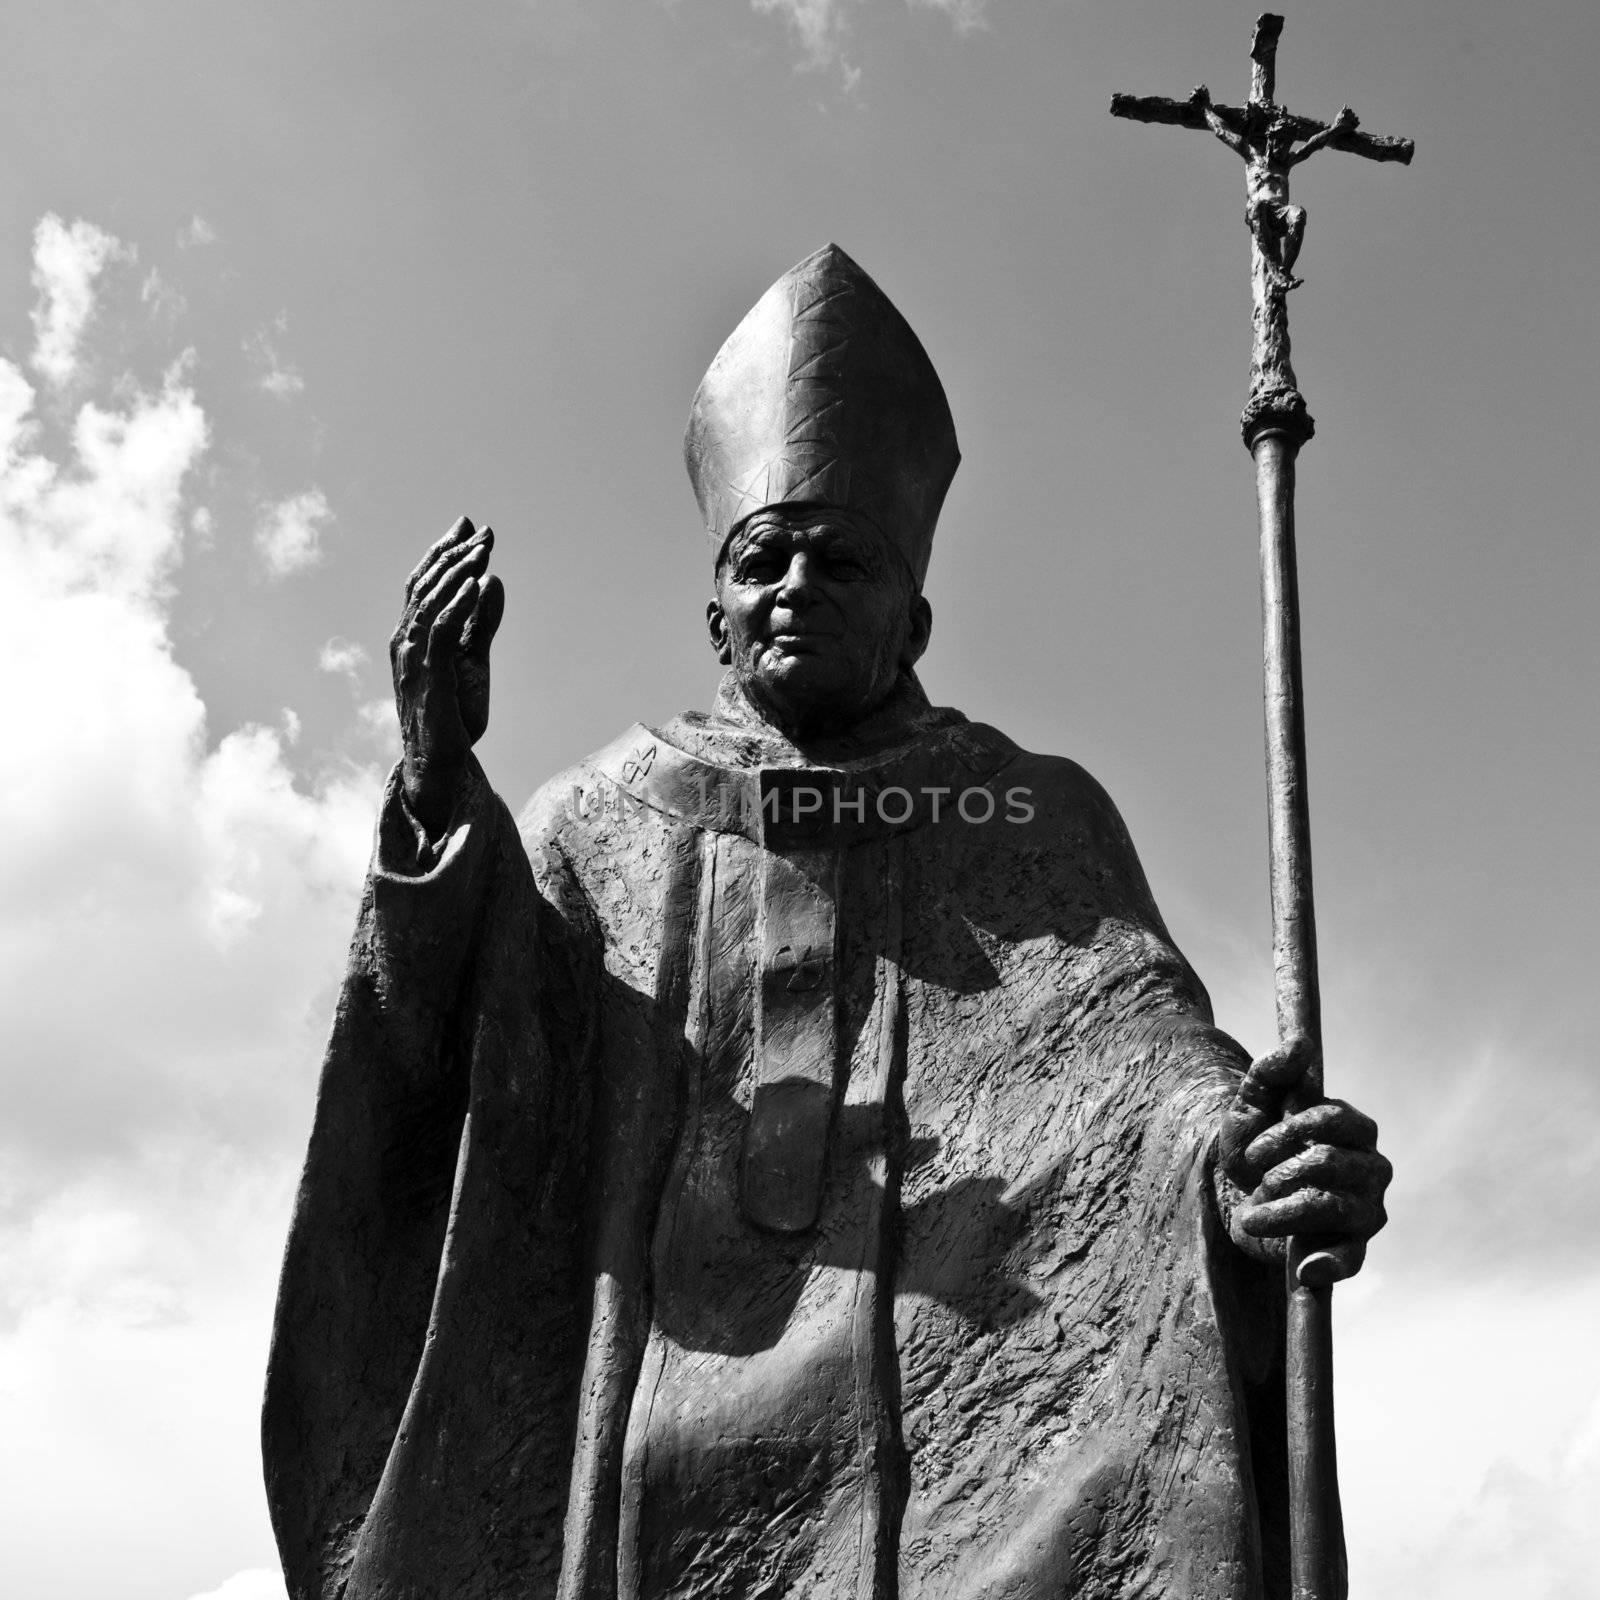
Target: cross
[1271,140]
[1276,424]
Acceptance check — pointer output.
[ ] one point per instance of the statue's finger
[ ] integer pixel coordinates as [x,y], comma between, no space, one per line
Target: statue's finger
[1325,1166]
[1312,1211]
[460,531]
[1340,1123]
[1271,1078]
[442,564]
[444,637]
[405,656]
[447,559]
[1327,1122]
[443,590]
[1257,1106]
[485,620]
[1332,1262]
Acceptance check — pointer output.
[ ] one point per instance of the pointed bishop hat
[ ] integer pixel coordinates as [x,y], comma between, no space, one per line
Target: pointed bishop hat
[824,396]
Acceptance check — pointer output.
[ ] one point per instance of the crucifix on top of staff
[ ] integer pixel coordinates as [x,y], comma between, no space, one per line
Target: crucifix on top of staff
[1272,140]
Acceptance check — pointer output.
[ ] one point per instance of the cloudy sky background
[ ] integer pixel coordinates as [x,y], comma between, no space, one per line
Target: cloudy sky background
[283,289]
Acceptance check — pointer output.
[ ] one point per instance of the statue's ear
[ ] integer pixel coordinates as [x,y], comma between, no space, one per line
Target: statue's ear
[920,632]
[717,628]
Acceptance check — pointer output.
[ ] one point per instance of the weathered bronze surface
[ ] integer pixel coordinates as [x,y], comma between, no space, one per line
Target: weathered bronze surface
[791,1159]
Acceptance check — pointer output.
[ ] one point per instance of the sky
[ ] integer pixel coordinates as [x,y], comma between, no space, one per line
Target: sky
[285,289]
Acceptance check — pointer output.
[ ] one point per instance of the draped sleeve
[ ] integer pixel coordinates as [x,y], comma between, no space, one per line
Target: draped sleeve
[439,1043]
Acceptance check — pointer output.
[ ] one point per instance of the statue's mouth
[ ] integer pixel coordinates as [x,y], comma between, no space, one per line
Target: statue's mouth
[810,639]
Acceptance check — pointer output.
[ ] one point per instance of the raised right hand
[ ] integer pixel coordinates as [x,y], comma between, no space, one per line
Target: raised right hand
[439,655]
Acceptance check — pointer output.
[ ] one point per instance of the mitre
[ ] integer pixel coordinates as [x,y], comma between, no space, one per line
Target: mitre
[824,396]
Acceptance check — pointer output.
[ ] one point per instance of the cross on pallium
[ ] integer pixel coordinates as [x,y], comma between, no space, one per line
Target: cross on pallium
[1271,140]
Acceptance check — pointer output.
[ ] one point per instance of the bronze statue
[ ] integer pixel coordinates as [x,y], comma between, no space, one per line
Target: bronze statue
[792,1159]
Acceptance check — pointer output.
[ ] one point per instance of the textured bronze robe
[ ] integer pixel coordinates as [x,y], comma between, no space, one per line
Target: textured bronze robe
[712,1199]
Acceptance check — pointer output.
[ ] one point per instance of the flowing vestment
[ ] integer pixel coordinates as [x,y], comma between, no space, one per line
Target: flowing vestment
[709,1199]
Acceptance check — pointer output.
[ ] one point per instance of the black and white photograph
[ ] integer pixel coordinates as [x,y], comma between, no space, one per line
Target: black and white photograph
[799,800]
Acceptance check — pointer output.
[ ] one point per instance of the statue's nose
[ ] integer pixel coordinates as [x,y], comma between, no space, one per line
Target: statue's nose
[799,579]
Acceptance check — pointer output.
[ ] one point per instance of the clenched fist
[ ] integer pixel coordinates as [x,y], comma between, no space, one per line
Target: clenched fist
[439,655]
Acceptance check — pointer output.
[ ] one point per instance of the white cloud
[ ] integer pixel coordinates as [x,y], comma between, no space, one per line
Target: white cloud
[1469,1439]
[375,716]
[138,860]
[379,716]
[279,377]
[106,528]
[66,262]
[283,382]
[343,656]
[196,231]
[965,15]
[822,27]
[173,913]
[289,534]
[379,724]
[152,1424]
[255,1584]
[164,300]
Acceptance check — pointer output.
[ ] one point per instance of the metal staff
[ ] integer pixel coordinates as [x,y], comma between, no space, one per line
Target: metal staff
[1275,424]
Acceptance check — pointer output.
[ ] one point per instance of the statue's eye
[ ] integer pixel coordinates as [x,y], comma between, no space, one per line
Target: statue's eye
[762,566]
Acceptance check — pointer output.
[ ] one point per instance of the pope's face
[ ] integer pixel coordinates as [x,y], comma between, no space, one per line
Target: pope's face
[817,616]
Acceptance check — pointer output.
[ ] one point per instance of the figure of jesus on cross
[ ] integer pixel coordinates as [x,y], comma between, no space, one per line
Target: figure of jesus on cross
[1271,141]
